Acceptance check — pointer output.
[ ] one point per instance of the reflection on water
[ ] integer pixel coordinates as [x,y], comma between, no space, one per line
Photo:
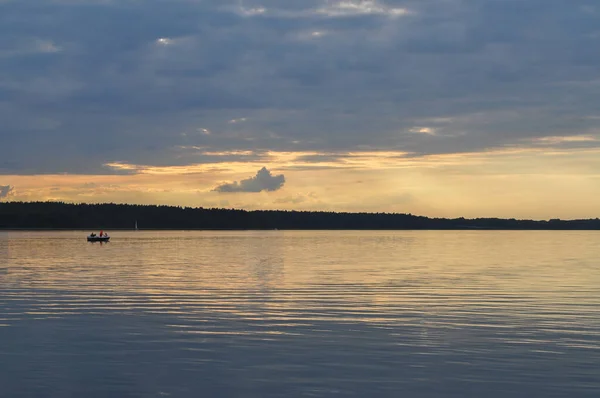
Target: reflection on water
[293,314]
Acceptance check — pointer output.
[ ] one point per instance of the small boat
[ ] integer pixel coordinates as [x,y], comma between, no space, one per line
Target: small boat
[98,238]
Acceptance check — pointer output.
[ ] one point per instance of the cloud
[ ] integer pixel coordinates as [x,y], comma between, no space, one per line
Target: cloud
[426,77]
[423,130]
[328,9]
[263,181]
[360,7]
[5,191]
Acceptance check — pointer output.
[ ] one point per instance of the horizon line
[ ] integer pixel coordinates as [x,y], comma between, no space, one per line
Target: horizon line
[296,211]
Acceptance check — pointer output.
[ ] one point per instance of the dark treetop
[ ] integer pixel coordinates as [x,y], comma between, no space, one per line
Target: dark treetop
[56,215]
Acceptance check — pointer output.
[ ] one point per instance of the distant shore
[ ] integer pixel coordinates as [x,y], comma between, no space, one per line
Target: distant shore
[57,216]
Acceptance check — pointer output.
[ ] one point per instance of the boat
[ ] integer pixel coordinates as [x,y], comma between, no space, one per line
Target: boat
[98,238]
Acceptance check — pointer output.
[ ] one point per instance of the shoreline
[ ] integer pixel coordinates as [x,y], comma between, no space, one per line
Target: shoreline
[52,216]
[289,230]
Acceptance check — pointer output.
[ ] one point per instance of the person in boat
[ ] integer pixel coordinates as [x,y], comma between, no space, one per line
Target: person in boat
[101,233]
[92,235]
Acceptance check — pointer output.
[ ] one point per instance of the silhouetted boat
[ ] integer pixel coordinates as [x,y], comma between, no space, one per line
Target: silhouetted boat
[98,239]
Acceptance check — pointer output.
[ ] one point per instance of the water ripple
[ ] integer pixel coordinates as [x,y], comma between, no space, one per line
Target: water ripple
[273,314]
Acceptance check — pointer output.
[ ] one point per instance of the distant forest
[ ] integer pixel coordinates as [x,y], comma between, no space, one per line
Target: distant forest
[56,215]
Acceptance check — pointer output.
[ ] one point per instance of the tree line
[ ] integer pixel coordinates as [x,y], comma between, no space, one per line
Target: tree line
[59,215]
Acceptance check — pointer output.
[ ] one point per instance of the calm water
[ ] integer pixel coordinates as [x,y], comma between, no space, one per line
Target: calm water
[300,314]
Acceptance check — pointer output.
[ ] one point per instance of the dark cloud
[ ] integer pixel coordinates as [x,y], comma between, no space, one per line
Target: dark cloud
[325,157]
[5,190]
[263,181]
[87,83]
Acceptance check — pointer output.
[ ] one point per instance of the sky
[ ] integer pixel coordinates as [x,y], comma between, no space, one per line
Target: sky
[444,108]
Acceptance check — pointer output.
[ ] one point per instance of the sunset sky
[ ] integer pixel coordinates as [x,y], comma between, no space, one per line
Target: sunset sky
[434,107]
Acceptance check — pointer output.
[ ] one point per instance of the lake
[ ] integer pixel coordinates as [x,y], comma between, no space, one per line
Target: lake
[300,314]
